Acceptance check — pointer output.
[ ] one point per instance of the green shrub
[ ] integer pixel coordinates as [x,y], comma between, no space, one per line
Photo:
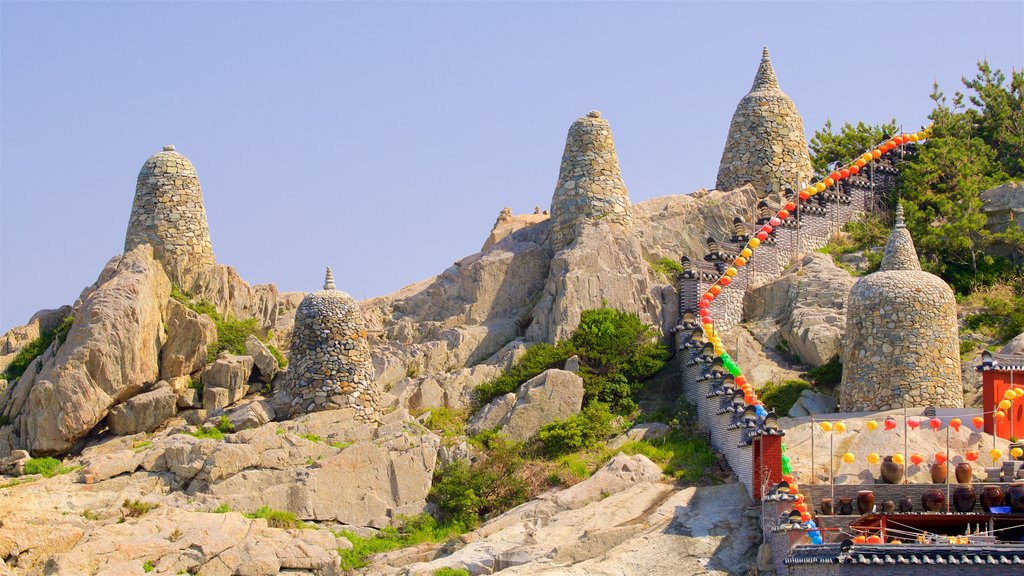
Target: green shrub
[466,494]
[451,572]
[666,267]
[282,362]
[225,425]
[450,423]
[1002,314]
[828,374]
[578,432]
[204,432]
[28,353]
[415,530]
[781,397]
[537,359]
[47,467]
[276,518]
[231,335]
[136,508]
[4,420]
[222,509]
[148,567]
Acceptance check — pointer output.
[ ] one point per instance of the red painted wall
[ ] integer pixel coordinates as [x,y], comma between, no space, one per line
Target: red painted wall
[994,384]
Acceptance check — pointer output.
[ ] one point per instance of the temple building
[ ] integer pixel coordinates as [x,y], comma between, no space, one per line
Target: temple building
[766,145]
[902,346]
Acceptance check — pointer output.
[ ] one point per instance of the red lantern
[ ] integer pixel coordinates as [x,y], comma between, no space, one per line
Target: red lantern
[702,305]
[844,173]
[859,540]
[955,424]
[978,422]
[741,380]
[834,176]
[935,423]
[725,280]
[805,517]
[790,206]
[876,153]
[799,507]
[890,423]
[916,459]
[804,195]
[972,455]
[748,398]
[788,478]
[783,214]
[762,236]
[715,290]
[854,169]
[898,140]
[913,423]
[940,457]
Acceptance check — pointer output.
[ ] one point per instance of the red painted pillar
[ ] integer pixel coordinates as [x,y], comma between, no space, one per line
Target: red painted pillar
[994,384]
[767,454]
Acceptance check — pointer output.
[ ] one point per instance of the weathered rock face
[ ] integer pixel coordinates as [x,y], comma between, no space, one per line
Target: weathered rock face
[902,343]
[549,396]
[110,354]
[330,365]
[1004,207]
[766,145]
[232,296]
[805,309]
[188,336]
[226,381]
[507,223]
[143,413]
[589,181]
[168,214]
[16,338]
[262,358]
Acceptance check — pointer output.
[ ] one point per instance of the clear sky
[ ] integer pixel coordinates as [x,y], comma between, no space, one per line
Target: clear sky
[384,138]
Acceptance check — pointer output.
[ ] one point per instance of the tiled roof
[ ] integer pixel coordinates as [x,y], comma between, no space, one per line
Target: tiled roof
[990,361]
[923,554]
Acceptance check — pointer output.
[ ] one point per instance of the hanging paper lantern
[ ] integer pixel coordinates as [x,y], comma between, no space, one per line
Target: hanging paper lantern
[866,157]
[793,488]
[1000,415]
[805,517]
[854,169]
[740,262]
[826,426]
[746,253]
[859,539]
[718,349]
[845,173]
[892,144]
[820,187]
[874,458]
[741,380]
[876,154]
[828,182]
[916,459]
[788,479]
[874,539]
[790,206]
[773,223]
[913,423]
[940,457]
[748,398]
[1016,452]
[871,424]
[971,455]
[783,214]
[839,427]
[815,536]
[996,454]
[804,195]
[799,507]
[754,242]
[849,457]
[890,423]
[913,138]
[1005,404]
[898,458]
[767,228]
[898,140]
[955,423]
[725,280]
[834,176]
[715,290]
[978,422]
[935,423]
[730,272]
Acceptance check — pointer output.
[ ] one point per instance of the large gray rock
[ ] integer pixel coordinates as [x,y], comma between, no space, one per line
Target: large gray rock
[262,358]
[16,338]
[804,309]
[233,297]
[1004,207]
[549,396]
[143,413]
[110,354]
[189,334]
[229,373]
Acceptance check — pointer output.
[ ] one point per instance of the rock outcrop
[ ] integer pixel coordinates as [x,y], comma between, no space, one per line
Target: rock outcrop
[189,334]
[16,338]
[143,413]
[110,354]
[549,396]
[1004,207]
[226,381]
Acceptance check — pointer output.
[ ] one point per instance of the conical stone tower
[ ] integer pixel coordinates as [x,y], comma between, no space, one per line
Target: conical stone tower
[766,144]
[589,181]
[168,214]
[902,345]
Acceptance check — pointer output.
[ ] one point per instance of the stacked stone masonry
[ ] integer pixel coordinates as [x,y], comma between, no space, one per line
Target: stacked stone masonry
[168,214]
[766,144]
[590,185]
[330,364]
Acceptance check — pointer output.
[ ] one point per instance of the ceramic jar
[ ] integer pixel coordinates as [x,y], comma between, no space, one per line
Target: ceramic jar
[964,498]
[892,473]
[933,500]
[846,506]
[939,471]
[1015,497]
[991,495]
[964,472]
[865,501]
[826,507]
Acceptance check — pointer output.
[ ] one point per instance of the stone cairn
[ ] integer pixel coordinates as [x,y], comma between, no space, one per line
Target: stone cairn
[902,346]
[330,363]
[766,144]
[589,181]
[168,214]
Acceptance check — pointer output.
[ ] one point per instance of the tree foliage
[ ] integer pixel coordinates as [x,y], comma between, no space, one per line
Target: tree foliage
[827,147]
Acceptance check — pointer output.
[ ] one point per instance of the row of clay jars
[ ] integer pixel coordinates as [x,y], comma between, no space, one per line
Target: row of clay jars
[892,473]
[934,499]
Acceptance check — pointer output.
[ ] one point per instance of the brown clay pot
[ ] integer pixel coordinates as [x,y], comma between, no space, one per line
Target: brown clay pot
[939,471]
[846,506]
[1015,497]
[906,505]
[888,506]
[933,500]
[826,507]
[964,473]
[964,498]
[991,495]
[892,472]
[865,501]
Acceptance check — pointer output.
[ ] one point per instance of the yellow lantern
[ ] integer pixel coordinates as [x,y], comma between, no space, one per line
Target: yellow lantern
[874,458]
[708,328]
[913,138]
[1016,452]
[746,253]
[866,157]
[829,182]
[1005,404]
[849,457]
[819,187]
[996,454]
[810,191]
[871,424]
[731,272]
[826,426]
[899,459]
[860,163]
[719,350]
[754,243]
[839,427]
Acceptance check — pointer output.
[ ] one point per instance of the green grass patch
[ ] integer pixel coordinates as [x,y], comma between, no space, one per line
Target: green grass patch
[204,432]
[222,509]
[666,267]
[4,420]
[136,508]
[148,567]
[16,482]
[141,446]
[282,362]
[781,397]
[449,423]
[28,353]
[277,518]
[451,572]
[311,437]
[339,445]
[47,467]
[680,455]
[415,530]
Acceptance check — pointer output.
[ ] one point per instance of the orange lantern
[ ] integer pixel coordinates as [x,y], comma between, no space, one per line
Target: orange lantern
[783,214]
[916,459]
[835,176]
[804,195]
[876,153]
[828,182]
[805,517]
[844,173]
[740,262]
[972,455]
[861,162]
[715,290]
[1000,415]
[790,206]
[955,423]
[855,168]
[978,422]
[725,280]
[874,539]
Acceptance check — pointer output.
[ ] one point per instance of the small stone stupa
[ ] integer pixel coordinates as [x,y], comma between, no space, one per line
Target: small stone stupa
[766,144]
[589,181]
[902,346]
[330,357]
[168,214]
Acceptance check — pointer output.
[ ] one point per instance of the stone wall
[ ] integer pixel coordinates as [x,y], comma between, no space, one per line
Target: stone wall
[168,214]
[589,181]
[330,358]
[766,144]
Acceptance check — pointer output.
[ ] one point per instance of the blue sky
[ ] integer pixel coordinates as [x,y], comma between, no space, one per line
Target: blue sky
[384,138]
